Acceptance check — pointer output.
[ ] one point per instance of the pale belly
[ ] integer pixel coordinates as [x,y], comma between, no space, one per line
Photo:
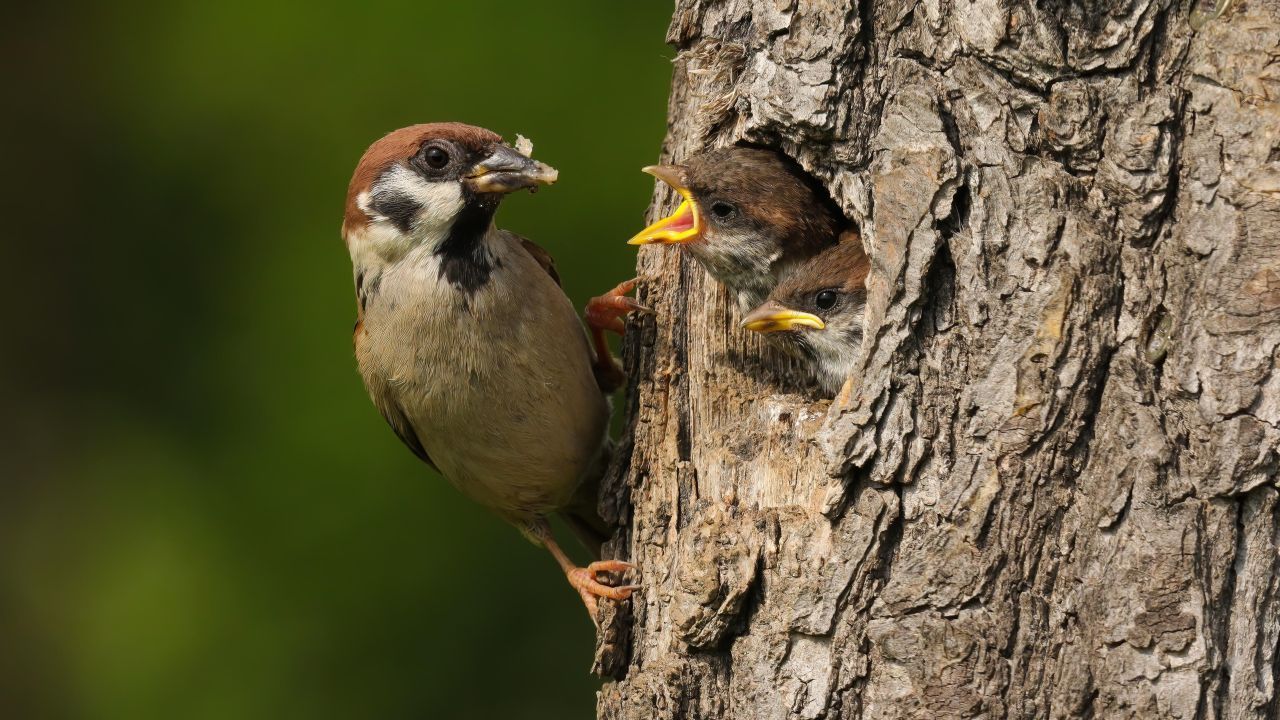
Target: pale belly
[519,449]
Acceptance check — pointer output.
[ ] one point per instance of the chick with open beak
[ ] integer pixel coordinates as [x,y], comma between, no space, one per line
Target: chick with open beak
[466,343]
[816,313]
[749,216]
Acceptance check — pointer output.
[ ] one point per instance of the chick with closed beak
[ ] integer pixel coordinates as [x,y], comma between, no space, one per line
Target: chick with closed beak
[749,216]
[816,313]
[466,342]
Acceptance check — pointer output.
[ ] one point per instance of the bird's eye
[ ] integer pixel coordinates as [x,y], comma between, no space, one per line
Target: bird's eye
[826,299]
[722,209]
[436,157]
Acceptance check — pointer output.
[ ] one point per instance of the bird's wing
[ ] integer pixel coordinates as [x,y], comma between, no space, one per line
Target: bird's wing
[404,430]
[543,257]
[391,411]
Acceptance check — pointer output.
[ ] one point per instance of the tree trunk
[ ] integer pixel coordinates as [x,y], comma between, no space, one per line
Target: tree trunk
[1051,490]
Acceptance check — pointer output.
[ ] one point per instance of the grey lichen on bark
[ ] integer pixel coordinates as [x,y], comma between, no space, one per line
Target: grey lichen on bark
[1050,491]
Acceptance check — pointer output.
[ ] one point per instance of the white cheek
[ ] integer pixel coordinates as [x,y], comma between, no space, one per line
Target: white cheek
[836,352]
[364,202]
[440,201]
[376,243]
[827,346]
[438,205]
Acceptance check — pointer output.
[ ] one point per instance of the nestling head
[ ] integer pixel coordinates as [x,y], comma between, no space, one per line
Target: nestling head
[743,201]
[414,185]
[817,311]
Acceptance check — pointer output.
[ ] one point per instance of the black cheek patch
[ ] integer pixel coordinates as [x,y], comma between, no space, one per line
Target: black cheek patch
[399,209]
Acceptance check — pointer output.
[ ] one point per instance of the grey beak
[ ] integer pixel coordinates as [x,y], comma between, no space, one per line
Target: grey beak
[507,171]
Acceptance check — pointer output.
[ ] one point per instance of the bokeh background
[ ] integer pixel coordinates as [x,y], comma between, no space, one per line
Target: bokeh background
[201,514]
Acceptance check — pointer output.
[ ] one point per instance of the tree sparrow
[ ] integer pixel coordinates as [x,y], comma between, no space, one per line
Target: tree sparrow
[467,344]
[817,311]
[749,216]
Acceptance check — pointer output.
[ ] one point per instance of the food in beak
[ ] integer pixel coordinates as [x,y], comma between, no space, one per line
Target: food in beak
[682,226]
[507,171]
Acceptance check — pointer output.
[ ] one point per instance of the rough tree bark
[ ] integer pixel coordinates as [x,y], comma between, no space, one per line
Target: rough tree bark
[1051,491]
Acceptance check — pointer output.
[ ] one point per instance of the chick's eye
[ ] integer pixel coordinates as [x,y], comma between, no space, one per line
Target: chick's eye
[435,157]
[826,299]
[722,209]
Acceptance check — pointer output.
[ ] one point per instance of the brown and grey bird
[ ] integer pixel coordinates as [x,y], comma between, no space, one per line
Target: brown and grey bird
[817,311]
[749,216]
[467,344]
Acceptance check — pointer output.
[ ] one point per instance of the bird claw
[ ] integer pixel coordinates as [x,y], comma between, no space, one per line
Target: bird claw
[590,588]
[605,312]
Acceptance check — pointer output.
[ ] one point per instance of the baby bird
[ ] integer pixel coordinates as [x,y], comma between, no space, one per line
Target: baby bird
[467,344]
[749,216]
[817,311]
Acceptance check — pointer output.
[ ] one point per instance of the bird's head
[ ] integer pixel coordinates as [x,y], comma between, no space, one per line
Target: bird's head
[743,202]
[415,184]
[818,309]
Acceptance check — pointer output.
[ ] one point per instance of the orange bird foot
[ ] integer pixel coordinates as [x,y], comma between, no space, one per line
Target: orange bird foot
[606,313]
[590,588]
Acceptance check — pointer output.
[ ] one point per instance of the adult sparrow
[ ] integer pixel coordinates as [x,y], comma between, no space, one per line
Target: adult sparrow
[467,344]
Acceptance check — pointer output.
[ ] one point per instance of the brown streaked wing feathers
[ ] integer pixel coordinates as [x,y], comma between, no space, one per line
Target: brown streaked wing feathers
[400,424]
[543,257]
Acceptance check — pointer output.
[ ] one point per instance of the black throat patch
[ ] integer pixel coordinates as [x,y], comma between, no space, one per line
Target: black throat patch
[464,260]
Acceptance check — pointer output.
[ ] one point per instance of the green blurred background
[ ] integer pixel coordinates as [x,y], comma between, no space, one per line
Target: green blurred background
[202,515]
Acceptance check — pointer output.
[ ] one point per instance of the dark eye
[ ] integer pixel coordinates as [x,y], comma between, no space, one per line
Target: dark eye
[722,209]
[435,157]
[826,299]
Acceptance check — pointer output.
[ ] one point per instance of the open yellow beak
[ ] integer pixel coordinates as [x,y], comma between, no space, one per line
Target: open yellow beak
[772,317]
[681,226]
